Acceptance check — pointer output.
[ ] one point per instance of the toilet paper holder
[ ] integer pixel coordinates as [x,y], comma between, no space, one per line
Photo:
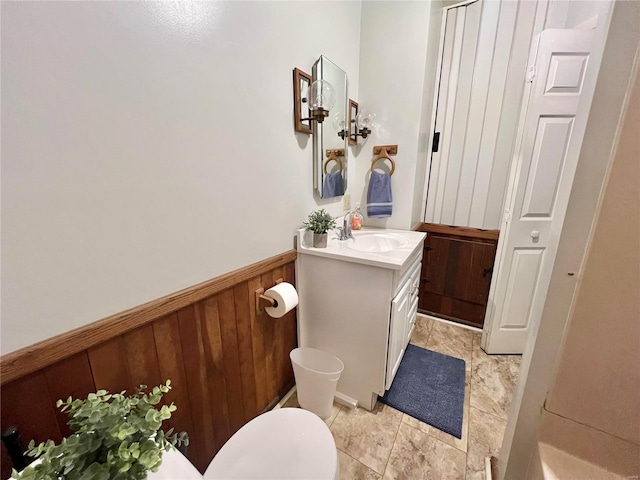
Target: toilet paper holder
[263,301]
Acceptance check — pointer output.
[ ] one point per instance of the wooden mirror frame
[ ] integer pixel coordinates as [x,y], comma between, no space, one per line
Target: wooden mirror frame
[299,77]
[353,128]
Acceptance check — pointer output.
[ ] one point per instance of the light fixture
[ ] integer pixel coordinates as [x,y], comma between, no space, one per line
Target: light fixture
[364,122]
[340,125]
[321,99]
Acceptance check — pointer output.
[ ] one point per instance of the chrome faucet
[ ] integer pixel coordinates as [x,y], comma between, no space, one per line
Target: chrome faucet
[345,231]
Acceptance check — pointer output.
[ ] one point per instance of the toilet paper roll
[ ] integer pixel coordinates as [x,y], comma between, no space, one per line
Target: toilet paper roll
[286,299]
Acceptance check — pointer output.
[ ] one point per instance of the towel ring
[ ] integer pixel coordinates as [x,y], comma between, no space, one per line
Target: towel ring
[333,155]
[337,160]
[384,156]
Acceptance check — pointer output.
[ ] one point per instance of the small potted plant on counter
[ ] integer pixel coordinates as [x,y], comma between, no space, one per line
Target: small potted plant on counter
[115,437]
[319,222]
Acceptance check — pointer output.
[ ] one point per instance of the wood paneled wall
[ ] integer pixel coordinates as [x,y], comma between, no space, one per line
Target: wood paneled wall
[226,363]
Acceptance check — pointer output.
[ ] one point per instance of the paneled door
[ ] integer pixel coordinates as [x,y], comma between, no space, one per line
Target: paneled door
[461,43]
[547,155]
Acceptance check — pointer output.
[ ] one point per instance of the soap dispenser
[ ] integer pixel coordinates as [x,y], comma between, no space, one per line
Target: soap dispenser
[356,218]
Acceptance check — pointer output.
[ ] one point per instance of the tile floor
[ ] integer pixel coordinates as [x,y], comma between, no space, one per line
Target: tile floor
[387,444]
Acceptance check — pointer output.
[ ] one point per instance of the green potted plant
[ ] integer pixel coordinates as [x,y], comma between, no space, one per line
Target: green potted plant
[115,437]
[319,222]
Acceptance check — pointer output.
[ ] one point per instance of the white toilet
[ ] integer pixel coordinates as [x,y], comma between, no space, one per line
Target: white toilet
[287,443]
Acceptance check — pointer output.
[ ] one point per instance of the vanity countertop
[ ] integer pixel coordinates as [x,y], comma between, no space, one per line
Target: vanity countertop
[406,244]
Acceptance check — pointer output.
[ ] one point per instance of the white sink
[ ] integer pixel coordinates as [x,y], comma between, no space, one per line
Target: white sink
[376,242]
[377,247]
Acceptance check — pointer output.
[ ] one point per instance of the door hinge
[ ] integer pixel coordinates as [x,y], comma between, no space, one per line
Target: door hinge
[507,216]
[531,73]
[428,248]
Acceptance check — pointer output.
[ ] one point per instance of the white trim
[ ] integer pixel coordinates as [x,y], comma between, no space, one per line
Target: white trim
[286,398]
[345,400]
[487,468]
[456,324]
[466,3]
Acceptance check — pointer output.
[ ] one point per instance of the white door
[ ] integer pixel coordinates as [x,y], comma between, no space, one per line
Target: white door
[542,175]
[457,66]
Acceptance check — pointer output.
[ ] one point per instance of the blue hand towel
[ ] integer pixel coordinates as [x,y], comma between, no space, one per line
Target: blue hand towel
[379,200]
[333,185]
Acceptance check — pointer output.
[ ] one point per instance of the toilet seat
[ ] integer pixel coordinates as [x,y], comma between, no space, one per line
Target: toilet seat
[287,443]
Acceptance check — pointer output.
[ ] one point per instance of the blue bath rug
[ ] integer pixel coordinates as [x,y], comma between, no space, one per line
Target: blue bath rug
[429,386]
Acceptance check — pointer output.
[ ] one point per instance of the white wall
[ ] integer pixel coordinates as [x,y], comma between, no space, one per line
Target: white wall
[573,13]
[149,146]
[393,52]
[609,289]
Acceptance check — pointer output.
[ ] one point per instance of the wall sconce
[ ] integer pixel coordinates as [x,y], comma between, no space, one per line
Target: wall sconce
[318,96]
[321,99]
[360,122]
[340,125]
[364,122]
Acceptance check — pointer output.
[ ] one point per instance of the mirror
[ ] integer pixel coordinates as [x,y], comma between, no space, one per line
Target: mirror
[331,136]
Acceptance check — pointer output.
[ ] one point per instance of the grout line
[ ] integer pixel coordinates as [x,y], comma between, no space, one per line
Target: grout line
[395,439]
[434,437]
[334,418]
[356,460]
[489,413]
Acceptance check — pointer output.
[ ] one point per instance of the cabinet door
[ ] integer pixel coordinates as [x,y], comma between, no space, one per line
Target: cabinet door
[456,276]
[397,331]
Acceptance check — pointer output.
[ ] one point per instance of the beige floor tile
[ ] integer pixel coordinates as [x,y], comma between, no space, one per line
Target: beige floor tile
[421,332]
[417,455]
[485,438]
[459,443]
[451,340]
[493,379]
[477,338]
[367,436]
[293,403]
[390,443]
[351,469]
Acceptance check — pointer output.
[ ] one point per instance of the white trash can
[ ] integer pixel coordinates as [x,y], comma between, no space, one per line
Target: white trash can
[317,374]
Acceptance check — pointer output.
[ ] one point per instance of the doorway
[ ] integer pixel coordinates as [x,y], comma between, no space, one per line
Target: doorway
[485,49]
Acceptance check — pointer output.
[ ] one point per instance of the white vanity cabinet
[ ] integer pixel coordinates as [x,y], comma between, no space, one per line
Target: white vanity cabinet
[361,307]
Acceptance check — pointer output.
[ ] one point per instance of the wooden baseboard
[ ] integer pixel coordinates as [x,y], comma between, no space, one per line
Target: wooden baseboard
[42,354]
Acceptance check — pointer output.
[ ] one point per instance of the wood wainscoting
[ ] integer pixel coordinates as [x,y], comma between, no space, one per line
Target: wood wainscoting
[226,363]
[456,272]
